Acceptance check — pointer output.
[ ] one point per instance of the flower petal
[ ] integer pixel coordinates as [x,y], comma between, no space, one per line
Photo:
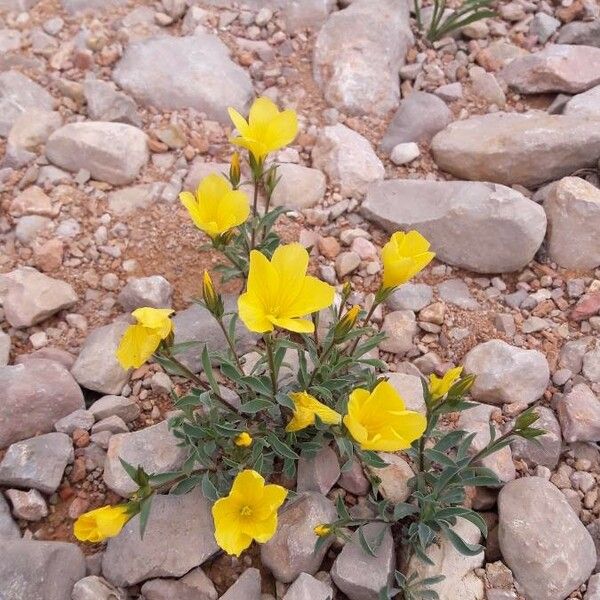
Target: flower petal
[263,280]
[234,209]
[248,486]
[252,314]
[314,295]
[262,531]
[136,346]
[239,122]
[295,325]
[228,532]
[282,130]
[262,111]
[156,319]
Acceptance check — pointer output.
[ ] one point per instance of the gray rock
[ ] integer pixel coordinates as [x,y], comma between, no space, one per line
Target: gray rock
[18,94]
[460,581]
[572,353]
[120,406]
[506,373]
[36,394]
[410,389]
[179,537]
[543,26]
[154,448]
[403,154]
[35,570]
[400,327]
[291,550]
[78,419]
[456,291]
[545,449]
[299,187]
[347,159]
[37,463]
[486,86]
[33,297]
[5,343]
[525,148]
[128,200]
[591,365]
[593,588]
[586,104]
[467,223]
[307,587]
[112,152]
[29,506]
[197,324]
[578,32]
[359,73]
[411,296]
[573,211]
[195,71]
[394,477]
[542,541]
[318,473]
[9,530]
[75,6]
[154,291]
[579,415]
[300,14]
[32,128]
[359,575]
[165,589]
[105,103]
[418,118]
[247,587]
[96,588]
[450,91]
[353,480]
[557,68]
[97,367]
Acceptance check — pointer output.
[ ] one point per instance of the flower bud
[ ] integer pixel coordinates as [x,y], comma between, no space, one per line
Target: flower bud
[212,299]
[234,170]
[243,440]
[322,530]
[346,323]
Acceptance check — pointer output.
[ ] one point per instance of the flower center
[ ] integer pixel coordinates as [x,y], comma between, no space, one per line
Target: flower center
[246,511]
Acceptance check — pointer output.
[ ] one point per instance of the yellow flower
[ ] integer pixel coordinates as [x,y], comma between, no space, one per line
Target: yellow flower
[141,340]
[279,292]
[403,257]
[97,525]
[248,513]
[266,130]
[234,169]
[378,420]
[347,322]
[211,297]
[438,388]
[322,530]
[217,207]
[243,440]
[305,409]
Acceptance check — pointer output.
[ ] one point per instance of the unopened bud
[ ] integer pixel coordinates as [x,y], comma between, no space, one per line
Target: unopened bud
[347,322]
[234,170]
[212,299]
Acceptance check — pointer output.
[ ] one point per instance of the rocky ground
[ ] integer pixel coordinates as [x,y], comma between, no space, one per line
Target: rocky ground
[488,143]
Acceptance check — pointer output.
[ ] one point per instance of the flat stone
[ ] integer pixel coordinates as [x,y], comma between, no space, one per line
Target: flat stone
[307,587]
[154,291]
[543,26]
[105,103]
[9,530]
[348,159]
[542,541]
[299,187]
[467,223]
[76,6]
[456,291]
[410,389]
[194,71]
[359,74]
[359,575]
[97,588]
[525,148]
[353,480]
[78,419]
[291,550]
[418,118]
[111,152]
[486,86]
[97,367]
[403,154]
[32,128]
[545,449]
[197,324]
[37,463]
[506,374]
[247,587]
[580,32]
[579,415]
[33,297]
[411,296]
[573,211]
[107,406]
[154,448]
[135,198]
[300,14]
[557,68]
[35,570]
[586,104]
[179,537]
[5,344]
[394,477]
[36,394]
[318,473]
[18,94]
[165,589]
[29,506]
[400,327]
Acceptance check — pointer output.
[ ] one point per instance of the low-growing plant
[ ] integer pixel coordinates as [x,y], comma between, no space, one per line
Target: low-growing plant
[441,25]
[312,382]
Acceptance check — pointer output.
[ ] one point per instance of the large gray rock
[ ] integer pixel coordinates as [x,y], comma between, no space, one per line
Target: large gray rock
[467,223]
[97,367]
[418,118]
[307,587]
[32,296]
[184,72]
[573,211]
[506,374]
[17,94]
[179,537]
[31,570]
[9,530]
[112,152]
[542,541]
[586,104]
[580,32]
[318,473]
[291,550]
[154,291]
[97,588]
[299,187]
[37,463]
[545,449]
[105,103]
[579,415]
[525,148]
[358,73]
[557,68]
[198,325]
[35,395]
[247,586]
[348,159]
[359,575]
[154,448]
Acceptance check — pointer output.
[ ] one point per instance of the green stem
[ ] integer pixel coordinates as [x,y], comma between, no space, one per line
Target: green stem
[365,323]
[254,212]
[418,15]
[231,345]
[321,359]
[271,359]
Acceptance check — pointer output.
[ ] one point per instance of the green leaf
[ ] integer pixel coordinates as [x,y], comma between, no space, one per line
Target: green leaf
[209,491]
[130,470]
[207,366]
[159,479]
[186,485]
[256,405]
[342,510]
[364,543]
[373,459]
[403,510]
[460,544]
[281,448]
[145,506]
